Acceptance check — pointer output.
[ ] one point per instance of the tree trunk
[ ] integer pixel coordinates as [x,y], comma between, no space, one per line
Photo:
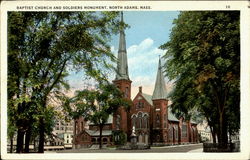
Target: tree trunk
[20,137]
[214,137]
[128,126]
[225,130]
[11,144]
[41,136]
[220,138]
[34,144]
[213,132]
[27,140]
[222,132]
[100,142]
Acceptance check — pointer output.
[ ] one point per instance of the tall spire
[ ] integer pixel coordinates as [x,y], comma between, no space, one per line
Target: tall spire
[122,64]
[160,91]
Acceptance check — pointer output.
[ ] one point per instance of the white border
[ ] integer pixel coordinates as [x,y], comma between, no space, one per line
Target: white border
[155,6]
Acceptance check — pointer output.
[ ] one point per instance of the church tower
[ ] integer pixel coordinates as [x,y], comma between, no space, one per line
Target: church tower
[160,110]
[121,117]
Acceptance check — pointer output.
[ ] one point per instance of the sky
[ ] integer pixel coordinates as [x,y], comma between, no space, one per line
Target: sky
[148,31]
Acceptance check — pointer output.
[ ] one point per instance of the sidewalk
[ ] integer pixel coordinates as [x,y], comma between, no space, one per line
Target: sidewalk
[178,145]
[199,150]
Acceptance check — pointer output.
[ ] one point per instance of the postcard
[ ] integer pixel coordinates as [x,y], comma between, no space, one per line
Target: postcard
[125,79]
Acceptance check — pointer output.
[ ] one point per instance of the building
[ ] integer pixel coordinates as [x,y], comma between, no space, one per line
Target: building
[62,134]
[86,135]
[60,138]
[150,115]
[204,132]
[155,123]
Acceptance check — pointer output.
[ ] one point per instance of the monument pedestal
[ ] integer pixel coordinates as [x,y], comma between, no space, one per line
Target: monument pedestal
[133,145]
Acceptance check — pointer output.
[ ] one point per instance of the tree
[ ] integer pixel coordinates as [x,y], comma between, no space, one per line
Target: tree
[203,57]
[41,47]
[96,105]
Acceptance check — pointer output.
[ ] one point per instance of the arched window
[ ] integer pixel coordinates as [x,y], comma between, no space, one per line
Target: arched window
[184,130]
[126,92]
[157,121]
[145,118]
[176,132]
[140,119]
[170,133]
[118,119]
[134,121]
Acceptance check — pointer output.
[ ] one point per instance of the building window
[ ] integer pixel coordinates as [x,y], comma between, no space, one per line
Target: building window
[184,130]
[84,137]
[145,121]
[118,119]
[157,121]
[126,92]
[170,133]
[140,119]
[140,104]
[176,133]
[134,120]
[137,105]
[105,140]
[158,138]
[93,140]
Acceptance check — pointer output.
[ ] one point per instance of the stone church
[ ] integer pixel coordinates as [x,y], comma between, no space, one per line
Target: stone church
[150,114]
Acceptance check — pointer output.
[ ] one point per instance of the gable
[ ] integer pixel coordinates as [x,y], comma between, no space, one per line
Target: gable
[146,97]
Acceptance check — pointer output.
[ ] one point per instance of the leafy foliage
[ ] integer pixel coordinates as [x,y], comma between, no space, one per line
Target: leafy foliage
[42,48]
[203,57]
[96,105]
[119,137]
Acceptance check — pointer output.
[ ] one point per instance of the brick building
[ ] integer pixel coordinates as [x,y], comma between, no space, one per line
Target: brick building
[150,115]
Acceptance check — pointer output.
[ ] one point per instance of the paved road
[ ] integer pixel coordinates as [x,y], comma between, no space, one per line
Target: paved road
[165,149]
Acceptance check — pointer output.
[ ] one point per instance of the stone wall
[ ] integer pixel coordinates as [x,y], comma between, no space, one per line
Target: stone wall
[214,147]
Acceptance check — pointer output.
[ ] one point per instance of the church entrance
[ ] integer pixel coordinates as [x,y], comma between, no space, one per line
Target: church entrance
[140,139]
[173,135]
[146,139]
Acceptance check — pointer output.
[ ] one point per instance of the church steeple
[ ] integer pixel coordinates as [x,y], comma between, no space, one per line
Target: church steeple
[122,81]
[122,64]
[160,91]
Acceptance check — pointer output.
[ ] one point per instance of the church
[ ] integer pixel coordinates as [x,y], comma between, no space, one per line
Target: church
[150,115]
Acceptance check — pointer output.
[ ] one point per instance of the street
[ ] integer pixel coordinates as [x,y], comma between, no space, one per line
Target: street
[195,148]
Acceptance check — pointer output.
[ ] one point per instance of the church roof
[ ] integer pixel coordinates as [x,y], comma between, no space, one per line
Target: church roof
[148,98]
[109,121]
[97,132]
[193,122]
[171,116]
[122,62]
[160,91]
